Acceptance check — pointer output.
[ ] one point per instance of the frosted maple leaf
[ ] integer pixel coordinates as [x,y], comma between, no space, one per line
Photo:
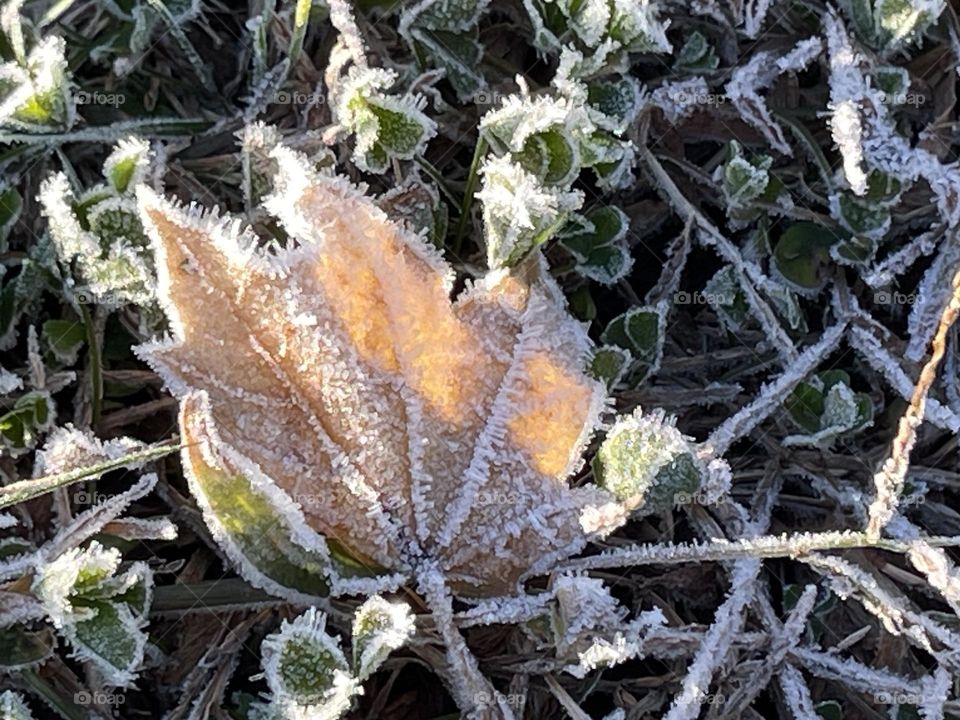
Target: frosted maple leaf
[348,427]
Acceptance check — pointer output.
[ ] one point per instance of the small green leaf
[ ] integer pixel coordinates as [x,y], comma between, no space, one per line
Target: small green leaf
[306,671]
[647,463]
[801,254]
[21,647]
[617,102]
[829,710]
[638,330]
[609,363]
[379,628]
[724,294]
[64,338]
[696,55]
[112,635]
[32,413]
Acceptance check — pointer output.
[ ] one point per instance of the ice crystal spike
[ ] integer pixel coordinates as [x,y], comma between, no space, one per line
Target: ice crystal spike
[334,388]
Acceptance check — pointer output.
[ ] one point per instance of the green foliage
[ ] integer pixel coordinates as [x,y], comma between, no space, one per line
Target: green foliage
[32,413]
[35,91]
[100,234]
[64,338]
[597,241]
[641,332]
[746,181]
[446,32]
[99,608]
[726,297]
[825,407]
[696,55]
[889,24]
[801,256]
[379,628]
[609,364]
[613,29]
[307,672]
[647,463]
[386,127]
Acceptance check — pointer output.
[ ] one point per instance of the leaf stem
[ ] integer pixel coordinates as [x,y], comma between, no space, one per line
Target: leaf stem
[96,365]
[478,152]
[26,489]
[301,18]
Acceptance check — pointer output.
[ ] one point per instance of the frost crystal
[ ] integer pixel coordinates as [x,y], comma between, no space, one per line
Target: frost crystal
[758,74]
[588,623]
[867,136]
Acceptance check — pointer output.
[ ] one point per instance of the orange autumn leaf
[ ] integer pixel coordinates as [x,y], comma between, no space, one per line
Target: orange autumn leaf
[338,395]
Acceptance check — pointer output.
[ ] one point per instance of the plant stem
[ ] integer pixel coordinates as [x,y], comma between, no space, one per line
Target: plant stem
[478,152]
[96,366]
[301,18]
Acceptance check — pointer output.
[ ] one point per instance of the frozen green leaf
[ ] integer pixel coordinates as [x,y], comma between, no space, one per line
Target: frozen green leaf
[379,628]
[447,31]
[88,598]
[36,96]
[519,212]
[801,254]
[696,54]
[597,241]
[64,338]
[638,330]
[825,407]
[647,463]
[32,414]
[306,671]
[609,364]
[615,103]
[862,216]
[126,167]
[385,126]
[724,294]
